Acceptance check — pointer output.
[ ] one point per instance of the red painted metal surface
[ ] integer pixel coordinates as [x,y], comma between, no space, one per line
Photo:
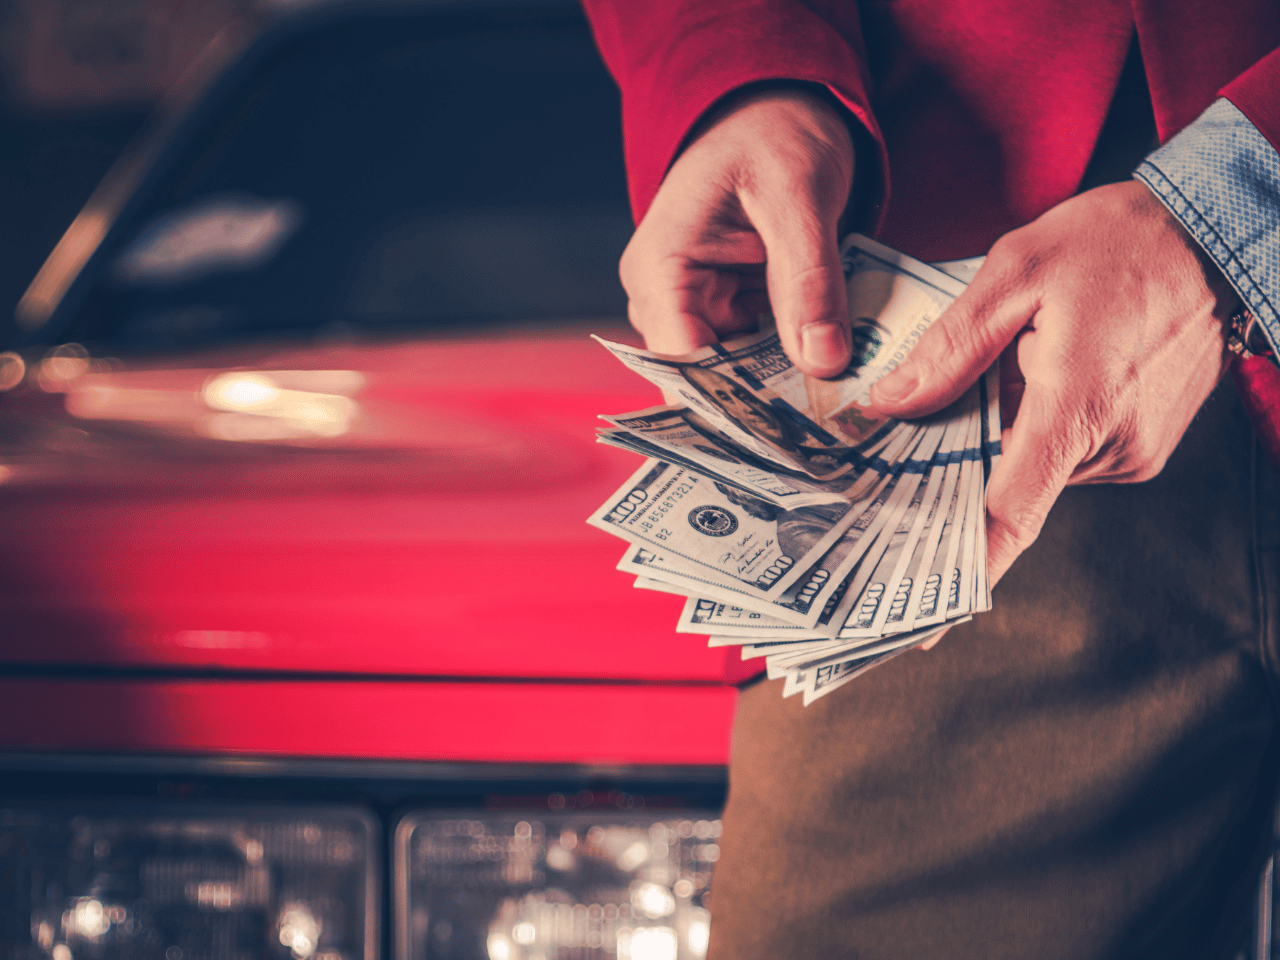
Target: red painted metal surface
[497,722]
[443,534]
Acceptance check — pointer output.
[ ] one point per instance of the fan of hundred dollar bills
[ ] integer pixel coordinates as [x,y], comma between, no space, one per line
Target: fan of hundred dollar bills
[799,527]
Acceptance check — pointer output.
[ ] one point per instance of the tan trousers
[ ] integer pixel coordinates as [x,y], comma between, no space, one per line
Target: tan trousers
[1086,771]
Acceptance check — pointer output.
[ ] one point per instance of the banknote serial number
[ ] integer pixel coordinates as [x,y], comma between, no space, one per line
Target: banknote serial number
[638,510]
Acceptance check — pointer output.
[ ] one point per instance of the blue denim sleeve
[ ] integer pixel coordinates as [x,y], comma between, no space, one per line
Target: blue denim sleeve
[1221,178]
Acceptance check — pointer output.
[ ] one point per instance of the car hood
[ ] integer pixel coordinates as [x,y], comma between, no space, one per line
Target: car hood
[408,508]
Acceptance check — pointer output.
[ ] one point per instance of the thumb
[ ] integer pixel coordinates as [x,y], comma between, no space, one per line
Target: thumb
[1040,453]
[960,345]
[806,283]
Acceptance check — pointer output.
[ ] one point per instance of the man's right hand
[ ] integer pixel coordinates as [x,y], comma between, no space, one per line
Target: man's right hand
[745,221]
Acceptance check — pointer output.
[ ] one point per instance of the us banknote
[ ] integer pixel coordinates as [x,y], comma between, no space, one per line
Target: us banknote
[800,527]
[749,391]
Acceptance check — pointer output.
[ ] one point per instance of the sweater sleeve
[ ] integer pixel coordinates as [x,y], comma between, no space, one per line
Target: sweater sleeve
[674,59]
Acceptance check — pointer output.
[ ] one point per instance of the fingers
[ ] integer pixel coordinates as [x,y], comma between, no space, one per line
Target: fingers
[749,209]
[1040,452]
[685,292]
[807,285]
[963,342]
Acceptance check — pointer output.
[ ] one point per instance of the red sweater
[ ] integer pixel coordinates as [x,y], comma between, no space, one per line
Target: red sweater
[984,113]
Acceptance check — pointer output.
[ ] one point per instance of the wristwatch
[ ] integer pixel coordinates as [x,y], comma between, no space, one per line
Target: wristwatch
[1245,336]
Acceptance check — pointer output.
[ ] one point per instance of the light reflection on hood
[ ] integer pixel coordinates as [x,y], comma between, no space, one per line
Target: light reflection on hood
[240,405]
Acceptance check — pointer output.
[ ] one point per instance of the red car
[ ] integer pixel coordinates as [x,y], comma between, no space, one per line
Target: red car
[306,648]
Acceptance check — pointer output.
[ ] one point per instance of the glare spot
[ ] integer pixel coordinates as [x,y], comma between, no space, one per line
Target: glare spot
[683,889]
[89,919]
[240,391]
[12,370]
[299,930]
[558,858]
[499,947]
[634,855]
[652,900]
[62,364]
[61,952]
[699,936]
[647,943]
[223,233]
[214,894]
[524,933]
[258,408]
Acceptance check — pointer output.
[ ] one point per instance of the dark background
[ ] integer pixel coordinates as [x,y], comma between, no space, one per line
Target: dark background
[78,80]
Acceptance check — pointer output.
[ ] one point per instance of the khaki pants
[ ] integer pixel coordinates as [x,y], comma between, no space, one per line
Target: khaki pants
[1086,771]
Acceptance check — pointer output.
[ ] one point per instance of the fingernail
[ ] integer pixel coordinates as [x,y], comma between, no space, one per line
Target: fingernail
[825,344]
[893,387]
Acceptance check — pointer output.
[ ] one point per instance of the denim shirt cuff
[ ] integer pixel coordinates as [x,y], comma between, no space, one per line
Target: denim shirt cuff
[1221,178]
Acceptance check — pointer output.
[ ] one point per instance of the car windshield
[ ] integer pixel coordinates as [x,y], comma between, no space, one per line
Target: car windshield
[393,169]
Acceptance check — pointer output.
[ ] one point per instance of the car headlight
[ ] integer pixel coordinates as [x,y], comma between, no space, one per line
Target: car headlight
[553,886]
[189,883]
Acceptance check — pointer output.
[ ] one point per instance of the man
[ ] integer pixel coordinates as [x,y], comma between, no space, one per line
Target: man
[1089,769]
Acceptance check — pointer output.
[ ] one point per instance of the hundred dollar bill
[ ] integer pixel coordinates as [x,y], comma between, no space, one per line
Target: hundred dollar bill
[903,562]
[807,600]
[655,567]
[820,681]
[679,435]
[909,553]
[703,614]
[760,548]
[901,583]
[733,623]
[816,591]
[749,390]
[920,580]
[841,651]
[751,651]
[873,593]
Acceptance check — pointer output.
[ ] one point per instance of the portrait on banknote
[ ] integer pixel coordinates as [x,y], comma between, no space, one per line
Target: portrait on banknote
[754,416]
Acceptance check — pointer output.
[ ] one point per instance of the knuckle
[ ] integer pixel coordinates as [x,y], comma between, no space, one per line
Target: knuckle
[960,337]
[631,265]
[1017,251]
[1019,527]
[636,318]
[627,271]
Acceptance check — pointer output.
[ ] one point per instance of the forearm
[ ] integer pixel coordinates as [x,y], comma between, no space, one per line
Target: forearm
[675,60]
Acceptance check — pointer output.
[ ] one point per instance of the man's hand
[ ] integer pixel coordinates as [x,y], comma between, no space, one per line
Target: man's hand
[751,206]
[1109,323]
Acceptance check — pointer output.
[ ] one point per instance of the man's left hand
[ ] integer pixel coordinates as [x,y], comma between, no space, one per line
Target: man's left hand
[1109,321]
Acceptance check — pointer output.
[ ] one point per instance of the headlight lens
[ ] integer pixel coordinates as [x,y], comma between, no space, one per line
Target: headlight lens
[188,884]
[554,886]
